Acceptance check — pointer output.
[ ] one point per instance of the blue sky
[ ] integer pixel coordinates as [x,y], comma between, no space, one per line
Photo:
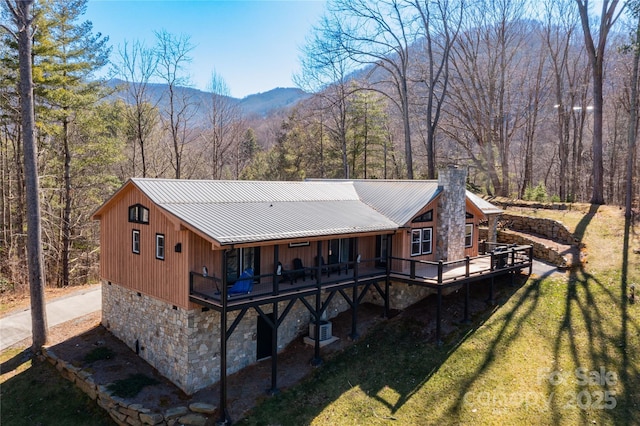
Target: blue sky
[253,45]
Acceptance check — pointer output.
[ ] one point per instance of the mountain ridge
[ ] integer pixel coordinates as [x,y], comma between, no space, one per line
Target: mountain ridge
[260,104]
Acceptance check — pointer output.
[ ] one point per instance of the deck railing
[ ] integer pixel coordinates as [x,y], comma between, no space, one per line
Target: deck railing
[289,280]
[309,279]
[501,257]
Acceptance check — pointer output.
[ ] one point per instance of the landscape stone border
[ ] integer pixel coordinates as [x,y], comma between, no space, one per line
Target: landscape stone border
[123,413]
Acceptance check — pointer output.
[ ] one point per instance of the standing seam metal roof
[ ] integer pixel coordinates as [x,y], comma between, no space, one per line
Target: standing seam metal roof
[250,211]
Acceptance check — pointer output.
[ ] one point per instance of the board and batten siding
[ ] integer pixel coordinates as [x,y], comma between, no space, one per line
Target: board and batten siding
[166,279]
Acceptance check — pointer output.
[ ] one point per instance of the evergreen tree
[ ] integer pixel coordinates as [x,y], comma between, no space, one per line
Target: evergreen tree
[67,55]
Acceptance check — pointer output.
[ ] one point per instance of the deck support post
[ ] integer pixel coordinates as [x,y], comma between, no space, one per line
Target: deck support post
[490,299]
[354,298]
[466,319]
[530,260]
[439,316]
[224,414]
[276,277]
[387,281]
[274,352]
[316,360]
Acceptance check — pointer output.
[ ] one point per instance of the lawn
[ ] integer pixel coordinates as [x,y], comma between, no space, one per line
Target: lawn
[552,351]
[34,393]
[557,351]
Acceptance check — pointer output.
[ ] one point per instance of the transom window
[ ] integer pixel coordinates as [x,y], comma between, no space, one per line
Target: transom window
[424,217]
[138,214]
[421,241]
[135,241]
[160,246]
[468,235]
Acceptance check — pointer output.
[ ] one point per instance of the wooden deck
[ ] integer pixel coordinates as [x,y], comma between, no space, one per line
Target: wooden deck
[270,288]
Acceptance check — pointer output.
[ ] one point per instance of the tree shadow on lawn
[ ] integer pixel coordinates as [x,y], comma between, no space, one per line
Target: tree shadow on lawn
[597,340]
[38,395]
[387,360]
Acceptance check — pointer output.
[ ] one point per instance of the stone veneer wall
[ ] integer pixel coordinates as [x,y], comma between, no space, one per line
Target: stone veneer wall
[184,345]
[451,221]
[203,330]
[548,228]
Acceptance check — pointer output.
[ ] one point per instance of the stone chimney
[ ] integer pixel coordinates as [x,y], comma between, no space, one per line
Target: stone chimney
[451,213]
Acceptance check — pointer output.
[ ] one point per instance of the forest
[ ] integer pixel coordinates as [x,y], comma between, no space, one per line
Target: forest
[537,99]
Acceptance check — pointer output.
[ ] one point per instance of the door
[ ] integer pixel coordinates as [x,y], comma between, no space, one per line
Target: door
[263,340]
[341,251]
[381,250]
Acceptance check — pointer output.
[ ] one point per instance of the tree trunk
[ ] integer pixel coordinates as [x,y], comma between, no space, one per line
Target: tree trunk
[66,212]
[597,196]
[22,12]
[633,116]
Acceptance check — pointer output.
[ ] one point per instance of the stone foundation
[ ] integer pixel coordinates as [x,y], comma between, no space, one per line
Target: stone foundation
[184,345]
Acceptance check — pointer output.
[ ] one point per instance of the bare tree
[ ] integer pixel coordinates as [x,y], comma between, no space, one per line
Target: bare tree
[440,23]
[379,34]
[567,68]
[326,70]
[595,51]
[633,112]
[136,64]
[20,12]
[486,105]
[224,126]
[173,55]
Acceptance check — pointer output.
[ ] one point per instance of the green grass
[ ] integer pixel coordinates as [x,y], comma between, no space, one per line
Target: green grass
[34,393]
[535,360]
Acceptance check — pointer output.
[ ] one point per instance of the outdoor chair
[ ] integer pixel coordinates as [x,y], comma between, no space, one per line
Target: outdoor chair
[298,270]
[244,284]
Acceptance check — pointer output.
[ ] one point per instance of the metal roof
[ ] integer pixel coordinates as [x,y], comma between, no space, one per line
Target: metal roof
[234,212]
[482,204]
[164,191]
[250,222]
[249,211]
[398,200]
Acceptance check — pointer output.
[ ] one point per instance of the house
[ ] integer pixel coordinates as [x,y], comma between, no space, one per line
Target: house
[202,278]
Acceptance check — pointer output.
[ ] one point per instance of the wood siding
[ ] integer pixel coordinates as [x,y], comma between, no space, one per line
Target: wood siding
[164,279]
[186,251]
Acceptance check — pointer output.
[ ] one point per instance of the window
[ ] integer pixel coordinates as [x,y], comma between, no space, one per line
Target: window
[135,241]
[242,258]
[160,246]
[468,235]
[138,214]
[426,241]
[421,241]
[424,217]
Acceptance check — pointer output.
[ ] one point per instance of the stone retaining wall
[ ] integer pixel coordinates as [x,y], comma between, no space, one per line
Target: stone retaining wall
[547,228]
[123,413]
[540,251]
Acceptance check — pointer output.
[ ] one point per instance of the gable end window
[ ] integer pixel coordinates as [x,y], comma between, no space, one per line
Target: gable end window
[421,241]
[138,214]
[424,217]
[135,241]
[160,246]
[468,235]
